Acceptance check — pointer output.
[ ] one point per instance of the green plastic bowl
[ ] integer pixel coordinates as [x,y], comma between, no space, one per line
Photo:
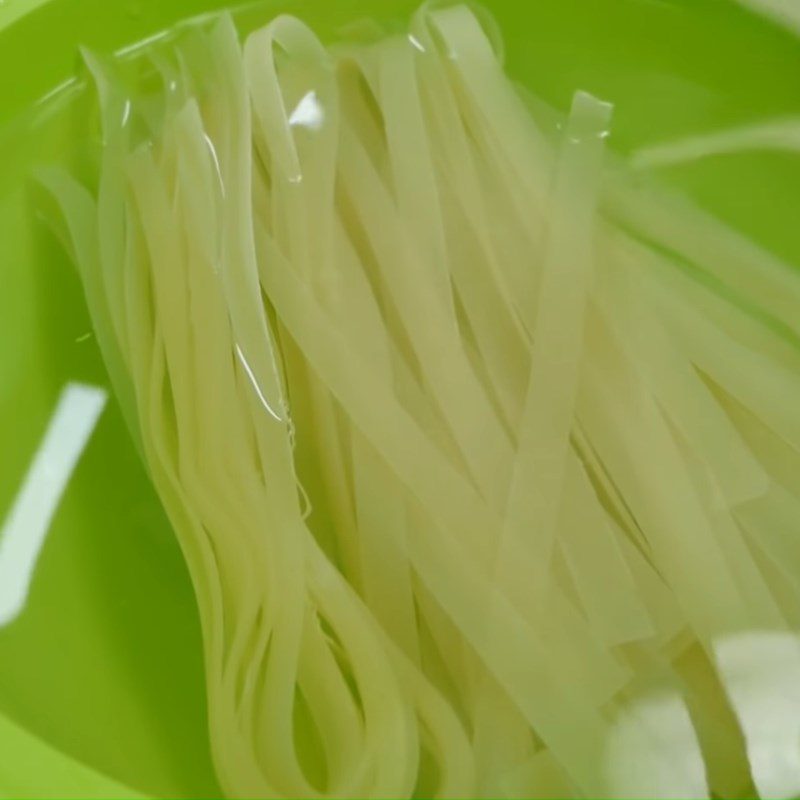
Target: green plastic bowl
[104,663]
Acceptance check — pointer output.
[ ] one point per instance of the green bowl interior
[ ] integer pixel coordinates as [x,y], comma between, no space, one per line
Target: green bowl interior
[105,662]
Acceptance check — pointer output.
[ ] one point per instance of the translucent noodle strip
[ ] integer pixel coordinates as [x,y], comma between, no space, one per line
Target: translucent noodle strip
[301,99]
[412,169]
[462,400]
[498,111]
[502,346]
[253,340]
[653,592]
[357,74]
[380,510]
[687,401]
[752,378]
[544,430]
[605,487]
[454,155]
[80,215]
[779,458]
[602,576]
[629,431]
[742,319]
[441,729]
[116,112]
[677,226]
[780,135]
[772,523]
[467,90]
[761,606]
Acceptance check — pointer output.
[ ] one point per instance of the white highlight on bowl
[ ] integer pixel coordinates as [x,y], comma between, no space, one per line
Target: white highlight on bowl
[781,12]
[760,670]
[24,531]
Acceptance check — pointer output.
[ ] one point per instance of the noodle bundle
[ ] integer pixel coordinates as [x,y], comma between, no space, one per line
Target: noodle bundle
[481,450]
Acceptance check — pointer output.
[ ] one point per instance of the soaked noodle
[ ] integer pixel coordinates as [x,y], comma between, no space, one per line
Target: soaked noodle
[461,456]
